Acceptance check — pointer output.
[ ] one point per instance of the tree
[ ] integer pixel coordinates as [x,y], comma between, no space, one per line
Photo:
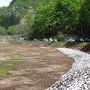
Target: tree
[12,30]
[29,26]
[9,19]
[85,20]
[54,17]
[2,31]
[67,16]
[44,26]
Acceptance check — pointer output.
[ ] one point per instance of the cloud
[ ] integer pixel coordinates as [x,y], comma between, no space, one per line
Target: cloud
[4,2]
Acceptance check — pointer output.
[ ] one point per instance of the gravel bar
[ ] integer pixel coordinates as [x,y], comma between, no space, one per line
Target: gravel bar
[78,78]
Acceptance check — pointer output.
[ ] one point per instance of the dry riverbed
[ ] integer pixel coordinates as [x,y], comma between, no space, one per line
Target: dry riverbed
[24,67]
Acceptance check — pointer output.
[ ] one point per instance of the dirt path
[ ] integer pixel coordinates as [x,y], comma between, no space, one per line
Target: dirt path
[41,67]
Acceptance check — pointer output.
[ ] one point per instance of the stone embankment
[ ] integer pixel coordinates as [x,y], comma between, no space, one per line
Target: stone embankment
[78,78]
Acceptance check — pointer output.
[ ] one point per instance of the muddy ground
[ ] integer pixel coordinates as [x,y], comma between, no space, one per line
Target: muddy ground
[41,67]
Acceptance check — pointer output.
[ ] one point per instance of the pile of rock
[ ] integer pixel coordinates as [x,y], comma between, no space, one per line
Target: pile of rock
[78,78]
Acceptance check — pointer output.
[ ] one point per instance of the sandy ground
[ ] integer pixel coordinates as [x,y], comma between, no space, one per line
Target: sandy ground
[42,66]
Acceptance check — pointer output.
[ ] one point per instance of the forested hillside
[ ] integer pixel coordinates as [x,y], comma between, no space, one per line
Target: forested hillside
[46,19]
[17,18]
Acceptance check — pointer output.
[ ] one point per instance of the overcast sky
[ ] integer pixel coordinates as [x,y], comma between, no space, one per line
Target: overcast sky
[4,2]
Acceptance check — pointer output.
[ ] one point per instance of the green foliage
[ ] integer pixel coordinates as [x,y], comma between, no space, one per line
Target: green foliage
[44,26]
[55,17]
[22,6]
[30,22]
[67,16]
[46,18]
[9,18]
[12,30]
[2,31]
[12,17]
[85,19]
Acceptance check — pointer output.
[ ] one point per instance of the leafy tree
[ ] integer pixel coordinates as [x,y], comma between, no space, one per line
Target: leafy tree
[12,30]
[2,31]
[29,27]
[53,17]
[9,19]
[85,20]
[67,16]
[43,21]
[47,18]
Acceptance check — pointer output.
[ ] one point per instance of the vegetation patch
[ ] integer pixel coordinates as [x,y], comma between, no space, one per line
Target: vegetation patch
[5,68]
[10,66]
[16,62]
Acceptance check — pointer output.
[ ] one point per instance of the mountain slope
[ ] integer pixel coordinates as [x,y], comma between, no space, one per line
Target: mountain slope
[22,6]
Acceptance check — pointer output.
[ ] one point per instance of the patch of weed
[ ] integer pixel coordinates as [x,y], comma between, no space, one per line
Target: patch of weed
[10,66]
[4,69]
[16,62]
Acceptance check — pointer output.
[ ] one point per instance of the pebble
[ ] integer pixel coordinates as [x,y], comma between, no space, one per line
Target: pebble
[78,78]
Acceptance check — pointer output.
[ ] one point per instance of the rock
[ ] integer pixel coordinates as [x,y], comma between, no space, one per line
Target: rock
[78,78]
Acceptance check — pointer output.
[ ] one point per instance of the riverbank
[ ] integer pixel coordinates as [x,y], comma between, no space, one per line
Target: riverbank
[82,46]
[78,78]
[35,68]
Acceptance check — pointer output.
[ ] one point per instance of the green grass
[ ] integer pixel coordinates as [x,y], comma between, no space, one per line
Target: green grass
[16,62]
[4,69]
[10,66]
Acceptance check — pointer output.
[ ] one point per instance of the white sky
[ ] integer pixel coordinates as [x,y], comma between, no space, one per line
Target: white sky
[4,2]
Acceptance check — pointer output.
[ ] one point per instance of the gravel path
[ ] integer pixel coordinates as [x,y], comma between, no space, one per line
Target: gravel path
[78,78]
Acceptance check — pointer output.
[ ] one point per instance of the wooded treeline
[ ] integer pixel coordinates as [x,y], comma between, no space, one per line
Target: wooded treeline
[46,18]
